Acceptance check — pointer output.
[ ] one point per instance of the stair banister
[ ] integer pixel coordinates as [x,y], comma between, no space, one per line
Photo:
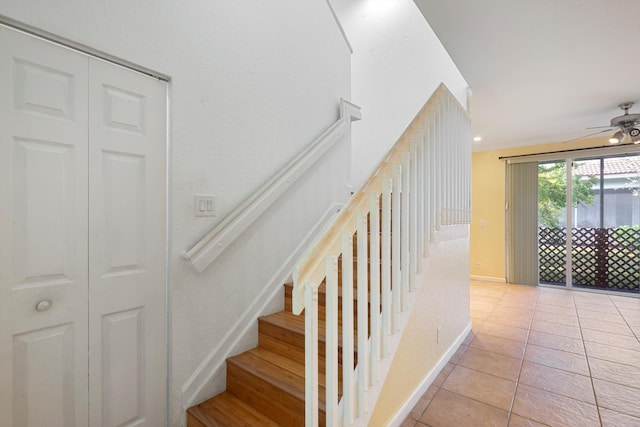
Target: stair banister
[201,254]
[423,184]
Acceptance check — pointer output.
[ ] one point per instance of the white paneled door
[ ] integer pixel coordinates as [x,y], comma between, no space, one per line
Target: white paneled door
[126,247]
[43,233]
[82,239]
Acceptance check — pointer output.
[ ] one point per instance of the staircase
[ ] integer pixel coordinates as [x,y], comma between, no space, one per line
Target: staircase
[266,385]
[295,377]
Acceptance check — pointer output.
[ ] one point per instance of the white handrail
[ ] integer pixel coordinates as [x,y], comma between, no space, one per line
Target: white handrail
[423,184]
[216,241]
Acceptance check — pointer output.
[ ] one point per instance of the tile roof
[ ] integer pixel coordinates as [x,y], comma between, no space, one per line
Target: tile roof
[617,166]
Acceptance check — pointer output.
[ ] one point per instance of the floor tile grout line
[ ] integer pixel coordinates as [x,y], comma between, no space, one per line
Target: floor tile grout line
[526,343]
[456,363]
[637,335]
[593,386]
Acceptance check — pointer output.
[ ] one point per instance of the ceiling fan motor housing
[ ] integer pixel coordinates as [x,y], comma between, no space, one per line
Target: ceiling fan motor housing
[625,121]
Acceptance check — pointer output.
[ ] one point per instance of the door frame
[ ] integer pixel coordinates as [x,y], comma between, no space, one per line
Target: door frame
[82,48]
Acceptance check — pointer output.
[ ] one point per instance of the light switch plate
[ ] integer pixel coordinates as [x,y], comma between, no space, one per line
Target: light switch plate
[204,205]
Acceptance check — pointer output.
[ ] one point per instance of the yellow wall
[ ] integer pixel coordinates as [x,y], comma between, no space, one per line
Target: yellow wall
[488,205]
[442,300]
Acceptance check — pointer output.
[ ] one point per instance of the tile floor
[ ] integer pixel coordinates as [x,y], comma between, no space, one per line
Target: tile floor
[540,357]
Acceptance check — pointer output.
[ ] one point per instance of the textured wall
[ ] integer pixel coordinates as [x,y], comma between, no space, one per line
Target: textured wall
[397,64]
[252,83]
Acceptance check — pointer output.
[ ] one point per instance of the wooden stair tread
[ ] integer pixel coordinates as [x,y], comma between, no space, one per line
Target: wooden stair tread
[285,320]
[295,324]
[289,364]
[322,291]
[281,377]
[226,410]
[279,360]
[284,379]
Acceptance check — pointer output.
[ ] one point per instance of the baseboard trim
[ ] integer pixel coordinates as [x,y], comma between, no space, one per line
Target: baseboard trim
[406,409]
[193,388]
[488,279]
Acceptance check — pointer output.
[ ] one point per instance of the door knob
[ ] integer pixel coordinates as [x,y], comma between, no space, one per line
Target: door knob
[43,305]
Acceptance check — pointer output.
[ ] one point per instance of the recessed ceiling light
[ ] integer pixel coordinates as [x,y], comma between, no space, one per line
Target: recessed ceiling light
[477,138]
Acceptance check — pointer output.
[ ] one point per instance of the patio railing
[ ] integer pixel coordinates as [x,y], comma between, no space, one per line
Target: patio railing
[603,258]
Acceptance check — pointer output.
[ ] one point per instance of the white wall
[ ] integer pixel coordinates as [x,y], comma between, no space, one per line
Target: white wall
[252,83]
[397,63]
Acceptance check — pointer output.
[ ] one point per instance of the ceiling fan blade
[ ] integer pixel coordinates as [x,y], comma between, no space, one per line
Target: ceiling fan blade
[591,134]
[600,127]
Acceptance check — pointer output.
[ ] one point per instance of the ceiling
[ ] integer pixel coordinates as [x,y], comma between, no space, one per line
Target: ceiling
[541,71]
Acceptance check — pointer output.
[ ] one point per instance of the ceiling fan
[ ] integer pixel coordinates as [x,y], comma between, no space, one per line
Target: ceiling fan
[626,124]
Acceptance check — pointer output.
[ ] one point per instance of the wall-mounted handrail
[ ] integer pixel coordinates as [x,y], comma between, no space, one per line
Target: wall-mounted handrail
[422,184]
[216,241]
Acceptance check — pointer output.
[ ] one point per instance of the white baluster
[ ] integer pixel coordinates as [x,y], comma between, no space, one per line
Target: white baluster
[446,167]
[331,340]
[413,214]
[374,280]
[438,178]
[428,186]
[386,264]
[451,178]
[405,234]
[468,177]
[420,193]
[461,163]
[363,315]
[348,384]
[311,355]
[433,160]
[396,275]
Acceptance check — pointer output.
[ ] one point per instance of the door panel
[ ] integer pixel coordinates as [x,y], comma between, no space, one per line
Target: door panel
[127,247]
[44,175]
[43,233]
[124,213]
[43,368]
[123,370]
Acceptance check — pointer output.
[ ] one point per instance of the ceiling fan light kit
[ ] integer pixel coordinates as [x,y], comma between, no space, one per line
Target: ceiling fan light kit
[627,124]
[616,138]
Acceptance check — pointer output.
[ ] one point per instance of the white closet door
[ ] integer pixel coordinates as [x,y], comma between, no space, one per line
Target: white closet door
[82,239]
[43,233]
[127,322]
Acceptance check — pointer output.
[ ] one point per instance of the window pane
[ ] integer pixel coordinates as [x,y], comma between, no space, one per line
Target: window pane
[552,232]
[621,212]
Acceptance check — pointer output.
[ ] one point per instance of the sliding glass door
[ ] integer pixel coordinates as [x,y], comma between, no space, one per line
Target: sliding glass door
[589,223]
